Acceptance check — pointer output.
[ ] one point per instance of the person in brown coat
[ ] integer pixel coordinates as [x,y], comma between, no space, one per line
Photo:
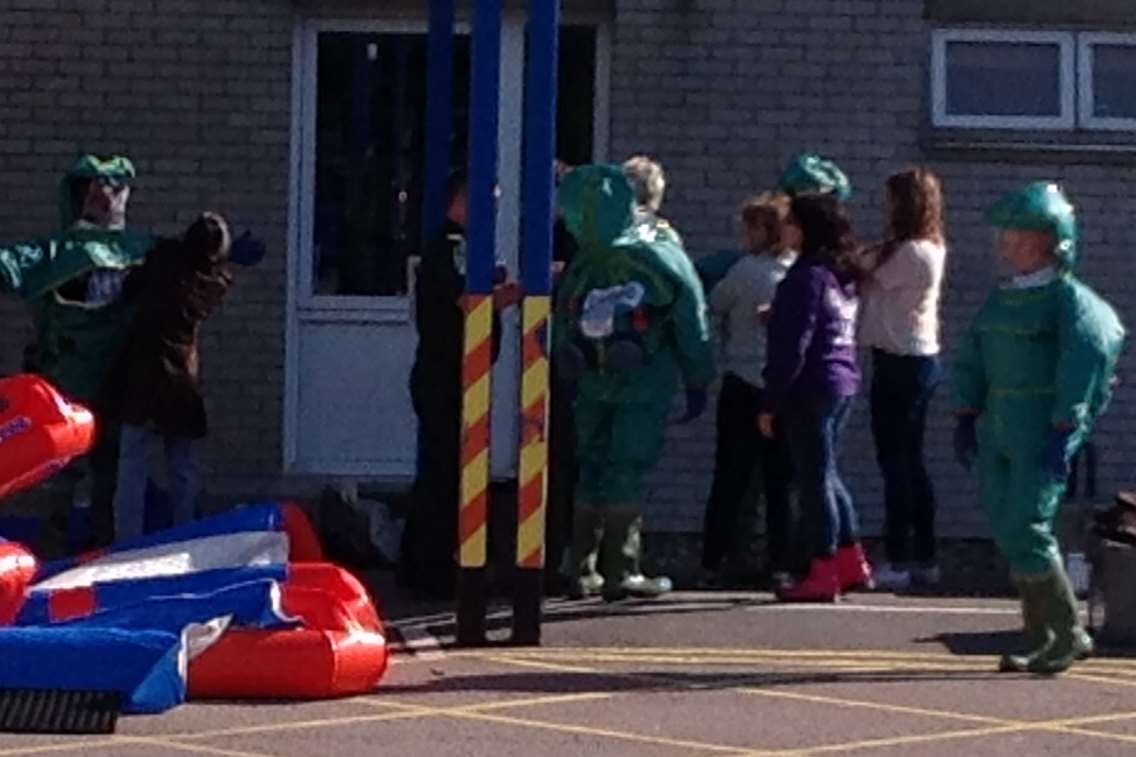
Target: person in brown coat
[155,385]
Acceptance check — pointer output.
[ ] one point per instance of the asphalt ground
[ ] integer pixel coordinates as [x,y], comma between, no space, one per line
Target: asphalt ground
[695,673]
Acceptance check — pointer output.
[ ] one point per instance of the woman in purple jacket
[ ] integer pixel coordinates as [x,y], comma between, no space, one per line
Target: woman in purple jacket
[811,376]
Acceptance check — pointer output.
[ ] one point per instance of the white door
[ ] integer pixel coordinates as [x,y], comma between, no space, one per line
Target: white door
[358,157]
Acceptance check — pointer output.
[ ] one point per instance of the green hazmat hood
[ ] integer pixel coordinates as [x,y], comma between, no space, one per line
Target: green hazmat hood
[1041,206]
[809,173]
[116,168]
[597,203]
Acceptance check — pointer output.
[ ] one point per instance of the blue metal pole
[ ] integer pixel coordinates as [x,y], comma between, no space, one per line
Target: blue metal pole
[439,113]
[540,145]
[485,97]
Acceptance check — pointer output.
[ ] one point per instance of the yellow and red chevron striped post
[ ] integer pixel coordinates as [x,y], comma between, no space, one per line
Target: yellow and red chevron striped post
[533,478]
[533,474]
[540,150]
[473,512]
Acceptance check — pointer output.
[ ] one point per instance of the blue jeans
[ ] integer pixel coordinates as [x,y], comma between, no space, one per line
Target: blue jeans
[814,427]
[183,470]
[902,387]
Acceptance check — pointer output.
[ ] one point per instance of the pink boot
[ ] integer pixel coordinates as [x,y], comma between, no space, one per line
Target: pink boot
[821,585]
[852,568]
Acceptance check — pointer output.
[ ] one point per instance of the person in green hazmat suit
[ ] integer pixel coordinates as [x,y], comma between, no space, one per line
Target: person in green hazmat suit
[73,282]
[629,324]
[1031,376]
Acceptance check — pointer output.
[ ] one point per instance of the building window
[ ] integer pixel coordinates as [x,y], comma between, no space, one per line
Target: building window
[369,155]
[1003,79]
[1108,81]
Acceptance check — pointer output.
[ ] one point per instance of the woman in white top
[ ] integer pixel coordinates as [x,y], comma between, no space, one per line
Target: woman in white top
[900,323]
[741,301]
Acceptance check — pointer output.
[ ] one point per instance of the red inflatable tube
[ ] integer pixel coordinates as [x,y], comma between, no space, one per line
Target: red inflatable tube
[17,570]
[303,543]
[40,432]
[296,664]
[339,651]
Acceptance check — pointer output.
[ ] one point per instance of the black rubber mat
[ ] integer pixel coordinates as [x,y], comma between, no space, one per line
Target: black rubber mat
[45,711]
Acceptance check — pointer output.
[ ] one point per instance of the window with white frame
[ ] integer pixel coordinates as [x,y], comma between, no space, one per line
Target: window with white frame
[1008,79]
[1003,79]
[1108,81]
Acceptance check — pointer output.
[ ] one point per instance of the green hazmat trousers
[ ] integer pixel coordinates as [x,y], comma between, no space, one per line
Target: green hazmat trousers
[1034,359]
[631,316]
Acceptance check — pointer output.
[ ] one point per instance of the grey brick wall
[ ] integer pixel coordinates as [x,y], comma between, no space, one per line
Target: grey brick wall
[723,92]
[197,92]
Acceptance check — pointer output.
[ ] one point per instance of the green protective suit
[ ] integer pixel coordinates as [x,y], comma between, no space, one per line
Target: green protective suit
[809,173]
[622,404]
[70,280]
[1035,359]
[1037,367]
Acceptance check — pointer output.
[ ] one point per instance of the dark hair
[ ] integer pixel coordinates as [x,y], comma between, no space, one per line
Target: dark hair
[208,237]
[827,236]
[916,205]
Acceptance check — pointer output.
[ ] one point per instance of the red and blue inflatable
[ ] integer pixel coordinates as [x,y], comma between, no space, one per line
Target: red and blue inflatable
[40,432]
[240,605]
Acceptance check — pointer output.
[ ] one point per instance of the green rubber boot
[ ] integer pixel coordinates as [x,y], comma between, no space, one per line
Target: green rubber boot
[622,547]
[1035,632]
[1070,641]
[587,532]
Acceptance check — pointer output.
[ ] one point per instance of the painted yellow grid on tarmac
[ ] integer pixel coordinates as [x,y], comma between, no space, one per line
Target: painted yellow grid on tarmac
[598,662]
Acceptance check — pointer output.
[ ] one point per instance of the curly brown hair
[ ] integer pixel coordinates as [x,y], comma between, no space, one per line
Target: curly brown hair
[767,212]
[916,205]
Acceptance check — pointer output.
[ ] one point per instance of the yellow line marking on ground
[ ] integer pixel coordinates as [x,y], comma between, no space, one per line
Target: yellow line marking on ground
[1100,663]
[811,663]
[527,663]
[1106,679]
[539,701]
[1126,738]
[292,726]
[504,704]
[880,706]
[195,748]
[472,713]
[923,738]
[763,651]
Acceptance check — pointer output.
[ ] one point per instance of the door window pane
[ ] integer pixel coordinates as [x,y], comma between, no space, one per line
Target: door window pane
[1114,81]
[370,157]
[1003,79]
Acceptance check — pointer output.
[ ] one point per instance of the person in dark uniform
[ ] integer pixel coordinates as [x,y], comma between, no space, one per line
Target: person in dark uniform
[561,448]
[427,563]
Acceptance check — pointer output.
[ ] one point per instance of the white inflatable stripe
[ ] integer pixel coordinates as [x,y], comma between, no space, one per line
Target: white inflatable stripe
[237,550]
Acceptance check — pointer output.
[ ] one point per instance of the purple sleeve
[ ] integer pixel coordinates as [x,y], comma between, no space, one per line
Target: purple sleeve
[795,308]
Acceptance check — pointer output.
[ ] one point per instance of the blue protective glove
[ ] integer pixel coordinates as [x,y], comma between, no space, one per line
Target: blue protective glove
[1058,455]
[247,250]
[696,400]
[966,441]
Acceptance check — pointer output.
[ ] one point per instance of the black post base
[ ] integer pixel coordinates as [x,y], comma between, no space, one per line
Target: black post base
[471,607]
[528,593]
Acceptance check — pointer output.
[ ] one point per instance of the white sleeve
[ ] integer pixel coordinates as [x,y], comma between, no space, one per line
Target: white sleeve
[911,266]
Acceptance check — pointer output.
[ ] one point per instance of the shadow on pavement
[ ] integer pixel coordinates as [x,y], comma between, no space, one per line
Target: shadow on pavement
[553,682]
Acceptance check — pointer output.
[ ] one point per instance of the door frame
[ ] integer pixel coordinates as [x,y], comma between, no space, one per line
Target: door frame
[304,307]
